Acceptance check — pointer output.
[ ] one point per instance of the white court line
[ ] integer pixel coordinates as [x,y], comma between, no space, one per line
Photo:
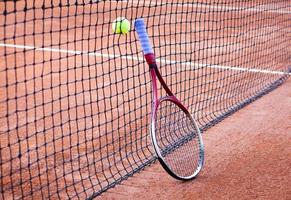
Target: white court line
[189,65]
[263,8]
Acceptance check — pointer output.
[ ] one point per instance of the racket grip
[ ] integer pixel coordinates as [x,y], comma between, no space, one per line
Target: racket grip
[143,36]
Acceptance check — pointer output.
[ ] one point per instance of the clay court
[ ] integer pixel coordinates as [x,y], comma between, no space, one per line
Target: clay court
[76,99]
[247,157]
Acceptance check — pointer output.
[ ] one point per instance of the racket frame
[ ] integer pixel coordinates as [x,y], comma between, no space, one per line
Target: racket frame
[155,74]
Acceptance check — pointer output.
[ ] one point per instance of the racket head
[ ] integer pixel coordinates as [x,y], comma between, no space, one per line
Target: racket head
[177,139]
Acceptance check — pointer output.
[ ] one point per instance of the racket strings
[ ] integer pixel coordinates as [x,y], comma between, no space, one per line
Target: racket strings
[177,139]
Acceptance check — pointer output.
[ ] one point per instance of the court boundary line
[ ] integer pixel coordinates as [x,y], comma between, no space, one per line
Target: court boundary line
[219,8]
[189,65]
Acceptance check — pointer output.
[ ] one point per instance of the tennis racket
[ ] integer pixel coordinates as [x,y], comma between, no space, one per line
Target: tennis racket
[175,135]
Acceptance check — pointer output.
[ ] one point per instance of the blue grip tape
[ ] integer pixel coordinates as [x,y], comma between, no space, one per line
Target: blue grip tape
[143,36]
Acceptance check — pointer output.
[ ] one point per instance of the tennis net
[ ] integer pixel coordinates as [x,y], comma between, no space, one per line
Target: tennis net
[76,98]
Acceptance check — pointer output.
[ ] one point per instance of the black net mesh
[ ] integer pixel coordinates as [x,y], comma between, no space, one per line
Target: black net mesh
[75,99]
[177,139]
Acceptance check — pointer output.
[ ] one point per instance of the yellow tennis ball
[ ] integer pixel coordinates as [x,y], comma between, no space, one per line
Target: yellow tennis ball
[121,26]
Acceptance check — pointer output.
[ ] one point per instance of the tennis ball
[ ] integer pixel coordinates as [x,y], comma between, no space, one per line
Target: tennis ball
[121,25]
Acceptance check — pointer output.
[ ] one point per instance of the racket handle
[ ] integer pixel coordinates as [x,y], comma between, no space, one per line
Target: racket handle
[143,36]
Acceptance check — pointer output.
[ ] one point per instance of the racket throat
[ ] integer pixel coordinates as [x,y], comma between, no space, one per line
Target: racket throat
[154,87]
[163,83]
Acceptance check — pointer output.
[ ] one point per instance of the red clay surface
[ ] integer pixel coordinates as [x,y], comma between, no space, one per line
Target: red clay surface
[247,157]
